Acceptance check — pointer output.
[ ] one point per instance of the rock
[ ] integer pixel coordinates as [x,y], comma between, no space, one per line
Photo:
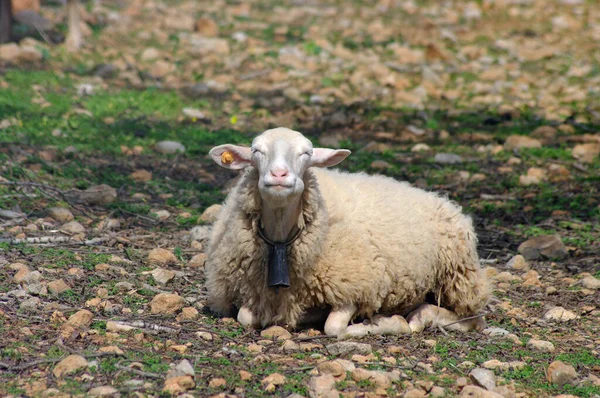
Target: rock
[23,273]
[166,303]
[518,262]
[97,195]
[560,373]
[69,365]
[549,246]
[545,132]
[559,314]
[30,54]
[178,385]
[111,349]
[103,391]
[414,393]
[106,71]
[162,215]
[183,368]
[589,282]
[245,376]
[61,214]
[495,364]
[207,27]
[150,54]
[169,147]
[586,152]
[420,147]
[558,172]
[141,175]
[535,175]
[333,368]
[208,45]
[200,233]
[81,319]
[478,392]
[198,260]
[483,377]
[349,347]
[319,386]
[521,141]
[73,228]
[211,213]
[276,332]
[380,165]
[161,256]
[9,51]
[540,345]
[58,286]
[161,68]
[188,314]
[270,382]
[437,392]
[30,305]
[290,345]
[162,276]
[447,158]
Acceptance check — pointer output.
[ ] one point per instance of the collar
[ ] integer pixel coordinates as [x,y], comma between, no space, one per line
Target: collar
[269,242]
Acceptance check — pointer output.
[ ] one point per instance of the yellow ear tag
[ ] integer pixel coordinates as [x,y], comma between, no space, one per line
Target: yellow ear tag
[227,157]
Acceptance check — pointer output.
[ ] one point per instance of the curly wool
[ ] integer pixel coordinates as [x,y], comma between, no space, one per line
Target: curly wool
[368,240]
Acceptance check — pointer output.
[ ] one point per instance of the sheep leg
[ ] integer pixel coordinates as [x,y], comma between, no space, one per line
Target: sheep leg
[338,319]
[380,325]
[247,318]
[430,315]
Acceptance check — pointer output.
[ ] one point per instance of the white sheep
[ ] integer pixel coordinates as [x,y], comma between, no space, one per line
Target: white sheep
[355,245]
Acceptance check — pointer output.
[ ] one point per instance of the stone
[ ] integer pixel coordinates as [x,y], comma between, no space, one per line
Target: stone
[549,246]
[208,45]
[150,54]
[437,392]
[276,332]
[161,256]
[544,132]
[103,391]
[183,368]
[560,373]
[169,147]
[495,364]
[586,152]
[589,282]
[290,345]
[61,214]
[162,276]
[111,349]
[97,195]
[198,260]
[380,165]
[244,375]
[521,141]
[188,314]
[333,368]
[275,379]
[211,213]
[320,385]
[484,378]
[535,175]
[178,385]
[519,263]
[559,314]
[200,233]
[166,303]
[414,393]
[141,176]
[478,392]
[349,347]
[207,27]
[22,273]
[161,68]
[81,319]
[420,147]
[30,305]
[69,365]
[540,345]
[58,286]
[9,51]
[447,158]
[73,227]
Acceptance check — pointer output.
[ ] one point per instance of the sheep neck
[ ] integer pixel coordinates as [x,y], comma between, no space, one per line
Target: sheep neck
[280,224]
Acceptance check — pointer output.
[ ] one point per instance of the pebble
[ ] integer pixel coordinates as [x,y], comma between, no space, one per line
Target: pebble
[166,303]
[447,158]
[560,373]
[169,147]
[349,347]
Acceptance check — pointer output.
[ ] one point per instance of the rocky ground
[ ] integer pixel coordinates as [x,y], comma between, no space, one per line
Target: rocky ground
[104,175]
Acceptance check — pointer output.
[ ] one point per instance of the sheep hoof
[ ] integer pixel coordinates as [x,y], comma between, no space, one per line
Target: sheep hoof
[247,319]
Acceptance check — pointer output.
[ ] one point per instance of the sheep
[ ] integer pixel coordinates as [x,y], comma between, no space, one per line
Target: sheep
[294,239]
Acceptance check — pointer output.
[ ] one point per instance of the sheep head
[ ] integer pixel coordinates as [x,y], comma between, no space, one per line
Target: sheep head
[281,156]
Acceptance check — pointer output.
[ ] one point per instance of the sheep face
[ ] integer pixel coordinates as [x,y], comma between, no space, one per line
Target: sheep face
[281,157]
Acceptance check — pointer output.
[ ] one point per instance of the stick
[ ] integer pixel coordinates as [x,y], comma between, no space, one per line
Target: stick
[39,185]
[138,372]
[466,319]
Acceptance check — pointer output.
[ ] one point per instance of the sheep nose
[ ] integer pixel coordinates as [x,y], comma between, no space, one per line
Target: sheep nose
[279,173]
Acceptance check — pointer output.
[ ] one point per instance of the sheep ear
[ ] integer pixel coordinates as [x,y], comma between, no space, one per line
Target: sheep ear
[324,157]
[233,157]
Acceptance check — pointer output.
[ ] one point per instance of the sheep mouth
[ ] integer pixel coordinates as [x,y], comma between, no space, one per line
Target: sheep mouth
[278,186]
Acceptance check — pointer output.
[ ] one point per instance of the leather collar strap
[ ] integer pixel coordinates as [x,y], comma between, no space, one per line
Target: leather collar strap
[261,233]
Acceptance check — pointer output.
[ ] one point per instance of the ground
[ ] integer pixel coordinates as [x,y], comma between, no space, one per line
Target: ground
[428,92]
